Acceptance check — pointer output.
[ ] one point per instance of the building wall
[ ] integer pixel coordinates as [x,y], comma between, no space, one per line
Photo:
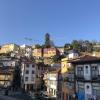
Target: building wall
[87,72]
[85,89]
[73,55]
[66,90]
[52,84]
[64,65]
[87,69]
[37,53]
[31,77]
[9,63]
[88,89]
[5,79]
[49,52]
[8,48]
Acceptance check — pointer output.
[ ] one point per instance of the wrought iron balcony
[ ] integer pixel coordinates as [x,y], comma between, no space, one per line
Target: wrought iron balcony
[96,78]
[79,77]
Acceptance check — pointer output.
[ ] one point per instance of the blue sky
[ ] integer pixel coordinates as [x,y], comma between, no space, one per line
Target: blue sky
[65,20]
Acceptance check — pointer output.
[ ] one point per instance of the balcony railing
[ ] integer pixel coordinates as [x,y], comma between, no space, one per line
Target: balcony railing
[96,78]
[79,77]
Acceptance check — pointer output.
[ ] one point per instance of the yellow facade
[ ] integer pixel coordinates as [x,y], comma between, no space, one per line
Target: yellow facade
[5,79]
[37,53]
[8,48]
[49,52]
[64,65]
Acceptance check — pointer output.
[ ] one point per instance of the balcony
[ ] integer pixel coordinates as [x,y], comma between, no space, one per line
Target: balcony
[96,78]
[79,78]
[68,79]
[69,85]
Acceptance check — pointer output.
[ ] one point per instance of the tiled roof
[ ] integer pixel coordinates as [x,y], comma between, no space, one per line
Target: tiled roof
[85,58]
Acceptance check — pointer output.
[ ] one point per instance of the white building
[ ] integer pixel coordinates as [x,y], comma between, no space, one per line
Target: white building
[87,72]
[53,83]
[28,75]
[73,54]
[26,50]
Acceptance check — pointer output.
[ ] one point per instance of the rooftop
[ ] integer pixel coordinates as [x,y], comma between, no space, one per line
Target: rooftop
[85,59]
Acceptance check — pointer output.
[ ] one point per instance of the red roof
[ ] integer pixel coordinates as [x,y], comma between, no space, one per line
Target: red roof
[84,59]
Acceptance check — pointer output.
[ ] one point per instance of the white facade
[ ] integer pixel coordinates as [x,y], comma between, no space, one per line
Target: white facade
[27,50]
[52,84]
[28,75]
[73,55]
[87,72]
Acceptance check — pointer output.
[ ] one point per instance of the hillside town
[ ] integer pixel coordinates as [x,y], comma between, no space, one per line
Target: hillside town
[49,72]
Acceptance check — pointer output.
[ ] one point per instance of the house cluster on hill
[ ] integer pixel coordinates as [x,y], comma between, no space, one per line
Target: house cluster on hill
[62,75]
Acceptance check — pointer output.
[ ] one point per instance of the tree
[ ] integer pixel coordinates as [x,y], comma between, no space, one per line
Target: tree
[57,58]
[88,46]
[38,46]
[67,47]
[76,45]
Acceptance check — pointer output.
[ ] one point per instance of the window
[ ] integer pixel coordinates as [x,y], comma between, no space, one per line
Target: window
[70,85]
[32,78]
[32,71]
[95,71]
[96,89]
[27,65]
[87,87]
[80,71]
[81,87]
[27,71]
[26,78]
[86,69]
[33,66]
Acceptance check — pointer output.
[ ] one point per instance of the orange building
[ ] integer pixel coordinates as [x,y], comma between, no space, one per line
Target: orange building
[50,52]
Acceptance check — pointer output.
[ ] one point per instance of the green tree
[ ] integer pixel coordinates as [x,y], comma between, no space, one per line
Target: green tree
[67,47]
[76,45]
[57,58]
[38,46]
[88,46]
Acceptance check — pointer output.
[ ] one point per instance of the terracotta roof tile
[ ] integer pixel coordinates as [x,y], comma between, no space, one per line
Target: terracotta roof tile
[85,58]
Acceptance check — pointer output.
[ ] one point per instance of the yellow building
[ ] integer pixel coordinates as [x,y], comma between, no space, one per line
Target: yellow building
[5,78]
[37,52]
[65,71]
[64,65]
[9,48]
[50,52]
